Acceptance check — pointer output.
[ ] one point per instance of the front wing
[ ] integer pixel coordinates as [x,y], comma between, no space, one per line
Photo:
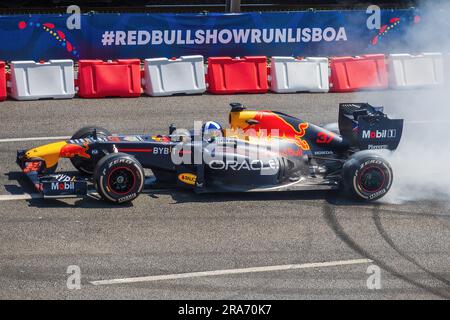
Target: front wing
[52,185]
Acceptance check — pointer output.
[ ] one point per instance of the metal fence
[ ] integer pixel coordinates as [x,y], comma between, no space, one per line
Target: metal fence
[42,6]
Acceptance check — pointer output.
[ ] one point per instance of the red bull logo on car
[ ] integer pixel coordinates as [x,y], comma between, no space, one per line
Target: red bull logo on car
[72,150]
[274,125]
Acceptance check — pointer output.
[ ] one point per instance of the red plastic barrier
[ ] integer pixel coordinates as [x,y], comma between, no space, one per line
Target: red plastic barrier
[119,78]
[245,75]
[358,73]
[2,81]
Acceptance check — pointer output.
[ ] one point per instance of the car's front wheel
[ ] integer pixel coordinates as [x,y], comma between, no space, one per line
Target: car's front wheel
[119,178]
[86,166]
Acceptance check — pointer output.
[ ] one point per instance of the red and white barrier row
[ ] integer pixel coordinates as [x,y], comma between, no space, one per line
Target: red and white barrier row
[2,81]
[56,79]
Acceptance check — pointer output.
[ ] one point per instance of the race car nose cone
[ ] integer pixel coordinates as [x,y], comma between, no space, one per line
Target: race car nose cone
[50,153]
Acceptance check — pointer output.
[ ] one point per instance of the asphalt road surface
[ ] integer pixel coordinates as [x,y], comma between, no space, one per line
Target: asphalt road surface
[293,245]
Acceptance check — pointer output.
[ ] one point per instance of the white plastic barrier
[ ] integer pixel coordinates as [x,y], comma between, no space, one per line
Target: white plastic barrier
[413,71]
[447,69]
[294,75]
[43,80]
[164,77]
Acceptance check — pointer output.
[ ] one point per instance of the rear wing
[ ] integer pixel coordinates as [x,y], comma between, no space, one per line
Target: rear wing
[366,127]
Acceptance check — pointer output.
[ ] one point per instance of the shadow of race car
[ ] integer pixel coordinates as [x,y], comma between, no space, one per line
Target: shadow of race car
[261,151]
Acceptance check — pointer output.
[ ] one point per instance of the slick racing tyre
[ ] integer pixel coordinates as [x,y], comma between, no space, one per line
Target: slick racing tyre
[86,166]
[367,176]
[119,178]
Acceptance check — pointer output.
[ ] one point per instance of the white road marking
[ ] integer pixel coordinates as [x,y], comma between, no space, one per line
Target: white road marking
[25,196]
[232,271]
[33,139]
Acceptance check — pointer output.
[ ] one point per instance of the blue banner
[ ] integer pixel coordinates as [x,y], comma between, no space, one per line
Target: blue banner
[112,36]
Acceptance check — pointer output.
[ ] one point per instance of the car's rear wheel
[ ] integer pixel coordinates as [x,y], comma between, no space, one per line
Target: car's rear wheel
[119,178]
[367,176]
[86,166]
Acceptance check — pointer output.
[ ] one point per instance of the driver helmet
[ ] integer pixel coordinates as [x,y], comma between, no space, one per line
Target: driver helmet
[211,130]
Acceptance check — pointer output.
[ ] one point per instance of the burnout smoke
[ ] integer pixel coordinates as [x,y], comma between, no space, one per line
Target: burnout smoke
[421,164]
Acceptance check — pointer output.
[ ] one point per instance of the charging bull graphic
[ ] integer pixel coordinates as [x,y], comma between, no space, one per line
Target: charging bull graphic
[273,124]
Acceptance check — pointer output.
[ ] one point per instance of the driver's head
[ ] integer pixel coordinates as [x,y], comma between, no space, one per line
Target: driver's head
[211,130]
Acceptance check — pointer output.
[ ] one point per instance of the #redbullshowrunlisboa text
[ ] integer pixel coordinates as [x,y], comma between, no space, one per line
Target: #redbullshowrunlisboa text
[222,36]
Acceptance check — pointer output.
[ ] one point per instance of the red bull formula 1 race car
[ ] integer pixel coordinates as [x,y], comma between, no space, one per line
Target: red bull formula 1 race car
[261,151]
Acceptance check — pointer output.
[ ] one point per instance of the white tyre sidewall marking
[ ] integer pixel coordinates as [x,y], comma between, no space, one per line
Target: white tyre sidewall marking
[104,193]
[384,189]
[139,172]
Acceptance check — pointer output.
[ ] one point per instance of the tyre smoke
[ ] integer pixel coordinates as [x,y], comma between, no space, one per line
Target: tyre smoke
[421,164]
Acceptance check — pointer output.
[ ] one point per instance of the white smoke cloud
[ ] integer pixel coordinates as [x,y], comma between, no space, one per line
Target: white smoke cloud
[421,164]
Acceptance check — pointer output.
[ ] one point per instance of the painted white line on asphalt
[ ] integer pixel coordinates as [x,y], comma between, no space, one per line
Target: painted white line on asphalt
[26,196]
[33,139]
[232,271]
